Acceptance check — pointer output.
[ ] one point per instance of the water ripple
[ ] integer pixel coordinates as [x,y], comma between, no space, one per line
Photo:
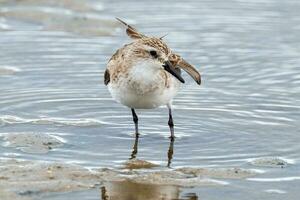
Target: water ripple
[51,80]
[11,120]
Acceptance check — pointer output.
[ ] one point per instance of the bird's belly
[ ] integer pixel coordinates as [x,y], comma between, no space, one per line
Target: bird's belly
[143,97]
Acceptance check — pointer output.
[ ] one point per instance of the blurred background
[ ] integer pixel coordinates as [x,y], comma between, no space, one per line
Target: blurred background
[53,54]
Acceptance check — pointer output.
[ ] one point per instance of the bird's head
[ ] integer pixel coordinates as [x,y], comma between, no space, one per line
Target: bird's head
[158,55]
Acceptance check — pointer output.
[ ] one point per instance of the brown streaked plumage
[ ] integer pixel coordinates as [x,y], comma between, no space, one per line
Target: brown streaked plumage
[146,74]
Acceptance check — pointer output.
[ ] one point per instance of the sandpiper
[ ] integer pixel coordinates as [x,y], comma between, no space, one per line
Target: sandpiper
[146,74]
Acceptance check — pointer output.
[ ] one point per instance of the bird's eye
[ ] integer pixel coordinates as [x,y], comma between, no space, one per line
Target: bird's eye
[153,54]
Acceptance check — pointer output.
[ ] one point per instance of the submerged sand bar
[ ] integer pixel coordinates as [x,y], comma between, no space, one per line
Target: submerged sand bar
[35,178]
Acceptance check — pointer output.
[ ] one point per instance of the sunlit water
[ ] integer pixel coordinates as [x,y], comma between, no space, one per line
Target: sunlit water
[51,81]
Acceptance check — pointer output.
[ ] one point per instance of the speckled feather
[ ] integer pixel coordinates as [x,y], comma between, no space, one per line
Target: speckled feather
[124,58]
[137,79]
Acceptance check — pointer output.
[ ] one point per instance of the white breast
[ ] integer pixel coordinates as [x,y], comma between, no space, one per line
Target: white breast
[144,88]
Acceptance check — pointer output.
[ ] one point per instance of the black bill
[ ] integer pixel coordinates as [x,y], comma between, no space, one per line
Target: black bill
[169,68]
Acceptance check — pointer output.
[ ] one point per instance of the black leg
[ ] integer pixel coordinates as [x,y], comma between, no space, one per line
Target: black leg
[135,120]
[171,124]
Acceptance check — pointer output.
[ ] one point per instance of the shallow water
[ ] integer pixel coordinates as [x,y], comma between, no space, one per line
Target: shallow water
[51,81]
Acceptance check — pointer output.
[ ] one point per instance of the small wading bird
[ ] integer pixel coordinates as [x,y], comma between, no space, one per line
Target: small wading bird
[146,74]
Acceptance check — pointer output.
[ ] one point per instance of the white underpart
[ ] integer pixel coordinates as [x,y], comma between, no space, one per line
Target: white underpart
[144,88]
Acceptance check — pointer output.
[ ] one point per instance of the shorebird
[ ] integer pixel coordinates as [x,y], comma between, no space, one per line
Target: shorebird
[146,74]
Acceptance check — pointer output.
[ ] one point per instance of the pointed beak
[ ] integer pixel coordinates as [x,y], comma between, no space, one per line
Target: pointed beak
[169,68]
[191,70]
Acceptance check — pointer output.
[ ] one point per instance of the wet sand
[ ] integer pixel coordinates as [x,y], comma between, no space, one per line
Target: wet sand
[32,142]
[136,178]
[32,179]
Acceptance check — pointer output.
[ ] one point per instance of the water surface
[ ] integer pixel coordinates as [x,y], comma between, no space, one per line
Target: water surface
[51,81]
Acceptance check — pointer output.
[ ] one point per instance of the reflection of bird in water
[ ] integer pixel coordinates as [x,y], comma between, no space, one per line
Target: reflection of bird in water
[170,153]
[135,148]
[104,195]
[170,150]
[146,74]
[128,190]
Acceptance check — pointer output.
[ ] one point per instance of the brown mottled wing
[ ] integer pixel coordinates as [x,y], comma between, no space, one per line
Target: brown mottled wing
[132,32]
[106,77]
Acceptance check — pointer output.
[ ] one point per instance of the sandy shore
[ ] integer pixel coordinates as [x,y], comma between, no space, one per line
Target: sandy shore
[77,17]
